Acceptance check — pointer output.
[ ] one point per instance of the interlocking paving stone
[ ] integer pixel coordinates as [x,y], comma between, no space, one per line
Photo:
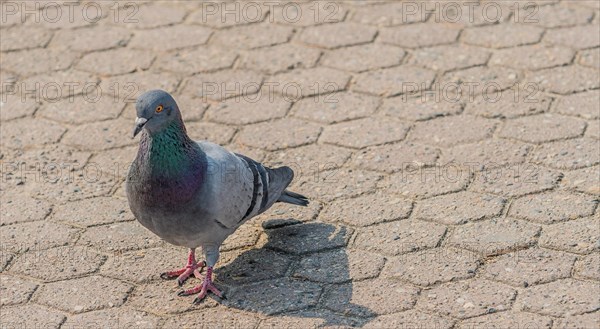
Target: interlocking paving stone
[508,319]
[303,159]
[486,153]
[542,128]
[35,235]
[182,36]
[410,319]
[550,207]
[224,84]
[115,162]
[252,266]
[284,214]
[17,208]
[533,57]
[588,267]
[367,209]
[495,236]
[376,296]
[127,87]
[113,318]
[5,258]
[583,180]
[340,106]
[214,317]
[486,80]
[561,16]
[118,237]
[28,132]
[429,181]
[100,135]
[91,39]
[116,61]
[418,35]
[15,108]
[15,290]
[339,266]
[419,108]
[21,37]
[363,57]
[213,132]
[221,15]
[245,111]
[560,298]
[308,82]
[467,299]
[331,184]
[590,57]
[578,236]
[94,293]
[309,237]
[279,58]
[58,263]
[589,320]
[459,208]
[429,267]
[399,237]
[31,316]
[566,79]
[510,103]
[365,132]
[307,14]
[51,87]
[275,296]
[502,35]
[583,105]
[50,59]
[307,319]
[143,265]
[82,109]
[452,130]
[161,298]
[388,14]
[593,129]
[450,57]
[529,267]
[152,15]
[394,81]
[253,36]
[279,134]
[384,157]
[337,35]
[578,37]
[201,59]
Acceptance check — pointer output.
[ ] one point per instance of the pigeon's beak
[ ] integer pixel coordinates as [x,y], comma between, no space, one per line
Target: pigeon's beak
[139,124]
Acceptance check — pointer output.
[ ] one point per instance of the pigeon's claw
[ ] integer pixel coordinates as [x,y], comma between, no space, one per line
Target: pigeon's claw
[192,267]
[203,289]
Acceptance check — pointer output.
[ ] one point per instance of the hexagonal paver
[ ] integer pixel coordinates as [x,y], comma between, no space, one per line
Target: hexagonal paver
[31,316]
[113,318]
[253,36]
[588,267]
[583,105]
[459,208]
[116,61]
[279,134]
[307,14]
[17,208]
[560,16]
[578,37]
[560,298]
[307,319]
[502,35]
[510,103]
[152,15]
[582,321]
[566,79]
[279,58]
[533,57]
[38,235]
[550,207]
[252,266]
[330,184]
[275,296]
[91,39]
[409,319]
[429,267]
[219,15]
[583,180]
[486,153]
[115,162]
[118,237]
[308,82]
[242,111]
[419,108]
[214,317]
[376,296]
[337,35]
[94,293]
[542,128]
[450,57]
[496,236]
[339,266]
[486,80]
[224,84]
[363,57]
[340,106]
[15,290]
[161,298]
[182,36]
[367,209]
[399,237]
[428,181]
[466,299]
[365,132]
[24,38]
[394,81]
[50,59]
[143,265]
[82,109]
[578,236]
[508,319]
[12,106]
[590,57]
[216,133]
[127,88]
[593,129]
[28,132]
[301,159]
[281,214]
[419,35]
[307,238]
[100,135]
[452,130]
[384,157]
[389,14]
[529,267]
[58,263]
[201,59]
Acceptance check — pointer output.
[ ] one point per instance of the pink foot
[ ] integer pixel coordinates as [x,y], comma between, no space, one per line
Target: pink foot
[192,267]
[203,289]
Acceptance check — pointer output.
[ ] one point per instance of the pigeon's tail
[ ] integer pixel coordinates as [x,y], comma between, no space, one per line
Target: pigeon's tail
[293,198]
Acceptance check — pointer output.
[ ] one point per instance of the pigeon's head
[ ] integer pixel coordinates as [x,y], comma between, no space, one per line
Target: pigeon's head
[156,110]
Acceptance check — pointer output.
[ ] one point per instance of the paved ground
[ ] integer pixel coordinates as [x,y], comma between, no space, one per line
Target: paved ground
[448,208]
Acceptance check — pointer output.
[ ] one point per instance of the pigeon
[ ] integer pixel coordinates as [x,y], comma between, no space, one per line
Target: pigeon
[195,193]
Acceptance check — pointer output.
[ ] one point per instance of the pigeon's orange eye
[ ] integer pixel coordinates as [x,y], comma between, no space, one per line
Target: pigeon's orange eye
[159,109]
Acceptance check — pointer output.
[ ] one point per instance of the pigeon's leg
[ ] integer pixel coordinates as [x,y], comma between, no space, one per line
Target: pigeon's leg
[192,267]
[212,255]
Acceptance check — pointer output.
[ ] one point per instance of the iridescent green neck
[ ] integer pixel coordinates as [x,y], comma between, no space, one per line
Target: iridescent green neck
[170,150]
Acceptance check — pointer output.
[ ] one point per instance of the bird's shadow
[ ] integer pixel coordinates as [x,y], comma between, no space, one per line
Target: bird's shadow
[302,271]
